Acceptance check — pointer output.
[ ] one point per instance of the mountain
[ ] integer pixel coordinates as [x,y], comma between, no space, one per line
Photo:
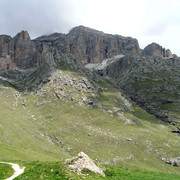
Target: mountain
[155,49]
[152,82]
[86,44]
[88,91]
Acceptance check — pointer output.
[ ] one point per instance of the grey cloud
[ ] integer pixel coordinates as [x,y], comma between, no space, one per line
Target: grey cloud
[36,16]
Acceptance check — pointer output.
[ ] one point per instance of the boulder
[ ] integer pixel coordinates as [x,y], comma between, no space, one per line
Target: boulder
[82,161]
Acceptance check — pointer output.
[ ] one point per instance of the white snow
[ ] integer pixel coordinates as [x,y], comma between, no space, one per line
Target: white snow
[104,63]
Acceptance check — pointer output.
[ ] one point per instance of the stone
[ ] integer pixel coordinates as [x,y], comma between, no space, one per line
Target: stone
[24,105]
[82,161]
[172,161]
[88,101]
[128,139]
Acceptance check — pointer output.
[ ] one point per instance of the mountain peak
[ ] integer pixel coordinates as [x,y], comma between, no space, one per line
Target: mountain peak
[81,28]
[22,36]
[155,49]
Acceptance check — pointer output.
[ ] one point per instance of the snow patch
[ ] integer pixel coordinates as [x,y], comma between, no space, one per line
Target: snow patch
[104,63]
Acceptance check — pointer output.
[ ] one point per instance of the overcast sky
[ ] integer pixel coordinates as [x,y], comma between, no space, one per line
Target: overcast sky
[147,20]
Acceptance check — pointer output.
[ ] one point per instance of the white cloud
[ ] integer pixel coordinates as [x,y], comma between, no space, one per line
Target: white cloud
[115,16]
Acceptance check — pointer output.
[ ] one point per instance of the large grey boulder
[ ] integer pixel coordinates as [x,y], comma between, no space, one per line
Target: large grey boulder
[82,161]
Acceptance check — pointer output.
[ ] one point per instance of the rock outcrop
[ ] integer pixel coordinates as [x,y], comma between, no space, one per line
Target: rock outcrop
[155,49]
[4,39]
[172,161]
[81,162]
[86,44]
[17,52]
[90,45]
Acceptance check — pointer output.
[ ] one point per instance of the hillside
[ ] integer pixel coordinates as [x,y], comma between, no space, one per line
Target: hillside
[57,108]
[152,82]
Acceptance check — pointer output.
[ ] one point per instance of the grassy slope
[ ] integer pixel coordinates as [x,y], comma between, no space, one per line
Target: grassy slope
[31,133]
[20,139]
[5,171]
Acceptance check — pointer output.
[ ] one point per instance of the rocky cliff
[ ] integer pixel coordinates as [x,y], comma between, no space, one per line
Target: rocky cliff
[86,44]
[150,77]
[17,52]
[155,49]
[90,45]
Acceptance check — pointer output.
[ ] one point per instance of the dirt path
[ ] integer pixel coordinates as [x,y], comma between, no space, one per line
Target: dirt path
[16,168]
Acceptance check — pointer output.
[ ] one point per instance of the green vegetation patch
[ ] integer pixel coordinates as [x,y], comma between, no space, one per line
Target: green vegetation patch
[5,171]
[43,170]
[116,172]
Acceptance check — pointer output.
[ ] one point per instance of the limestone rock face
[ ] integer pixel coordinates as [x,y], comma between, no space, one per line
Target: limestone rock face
[5,60]
[157,50]
[85,44]
[18,45]
[82,161]
[90,45]
[17,52]
[4,39]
